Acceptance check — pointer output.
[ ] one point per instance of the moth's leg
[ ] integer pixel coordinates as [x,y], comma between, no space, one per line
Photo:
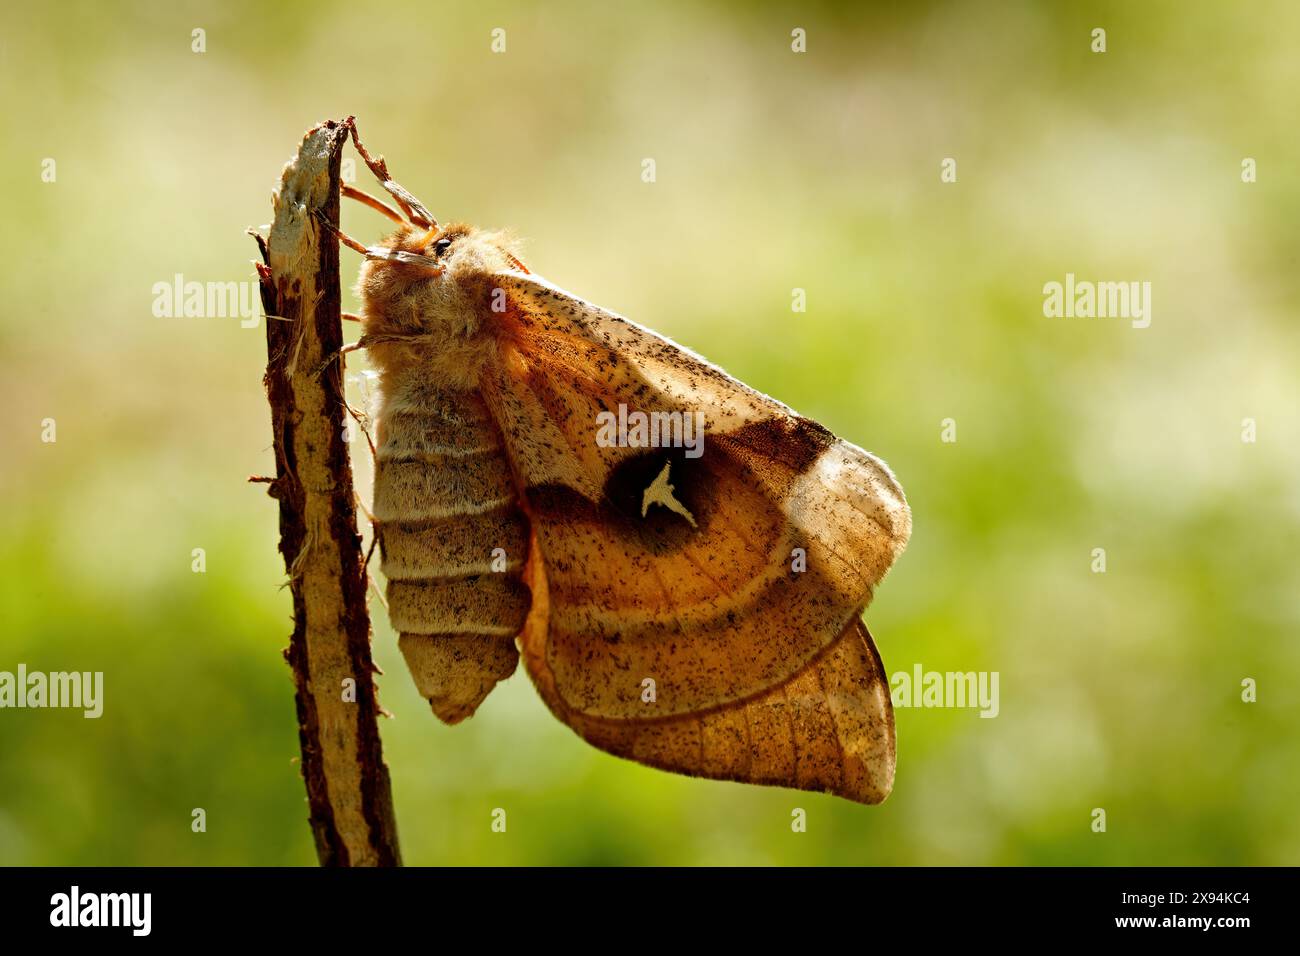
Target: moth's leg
[383,253]
[370,552]
[364,419]
[363,422]
[339,353]
[413,208]
[383,601]
[350,317]
[363,197]
[342,236]
[369,517]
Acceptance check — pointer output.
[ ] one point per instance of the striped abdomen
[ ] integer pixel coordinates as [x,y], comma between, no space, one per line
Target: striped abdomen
[454,541]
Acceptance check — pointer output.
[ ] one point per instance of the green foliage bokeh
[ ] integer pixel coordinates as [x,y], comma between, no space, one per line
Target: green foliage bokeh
[775,170]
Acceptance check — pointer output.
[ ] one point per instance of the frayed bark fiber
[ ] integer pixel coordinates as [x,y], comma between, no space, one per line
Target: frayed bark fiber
[348,790]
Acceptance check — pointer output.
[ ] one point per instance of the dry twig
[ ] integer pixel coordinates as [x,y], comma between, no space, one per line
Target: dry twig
[342,758]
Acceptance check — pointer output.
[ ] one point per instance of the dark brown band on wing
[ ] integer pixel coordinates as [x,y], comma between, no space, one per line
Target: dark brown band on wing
[793,443]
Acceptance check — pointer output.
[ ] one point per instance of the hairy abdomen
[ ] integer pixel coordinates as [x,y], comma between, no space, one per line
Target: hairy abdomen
[454,541]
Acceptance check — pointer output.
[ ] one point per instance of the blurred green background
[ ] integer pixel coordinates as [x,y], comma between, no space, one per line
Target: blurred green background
[775,170]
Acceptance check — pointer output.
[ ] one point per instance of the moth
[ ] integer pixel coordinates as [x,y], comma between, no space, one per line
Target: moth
[694,607]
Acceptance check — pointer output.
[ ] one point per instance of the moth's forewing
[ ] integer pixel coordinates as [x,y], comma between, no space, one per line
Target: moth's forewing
[716,611]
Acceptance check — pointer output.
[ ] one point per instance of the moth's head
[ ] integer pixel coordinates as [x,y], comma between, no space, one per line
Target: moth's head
[427,297]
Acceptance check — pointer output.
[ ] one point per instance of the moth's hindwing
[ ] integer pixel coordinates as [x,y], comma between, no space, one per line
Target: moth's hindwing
[828,728]
[729,581]
[454,542]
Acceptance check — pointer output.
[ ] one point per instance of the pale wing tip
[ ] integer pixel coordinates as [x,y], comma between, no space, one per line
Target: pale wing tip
[852,499]
[891,502]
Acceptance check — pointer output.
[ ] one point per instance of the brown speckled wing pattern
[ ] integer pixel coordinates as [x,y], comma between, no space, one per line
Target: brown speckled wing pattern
[727,644]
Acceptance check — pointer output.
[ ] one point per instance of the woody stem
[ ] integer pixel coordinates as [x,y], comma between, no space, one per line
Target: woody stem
[348,791]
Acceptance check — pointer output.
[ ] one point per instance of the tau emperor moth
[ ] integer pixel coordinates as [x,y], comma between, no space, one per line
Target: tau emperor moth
[692,602]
